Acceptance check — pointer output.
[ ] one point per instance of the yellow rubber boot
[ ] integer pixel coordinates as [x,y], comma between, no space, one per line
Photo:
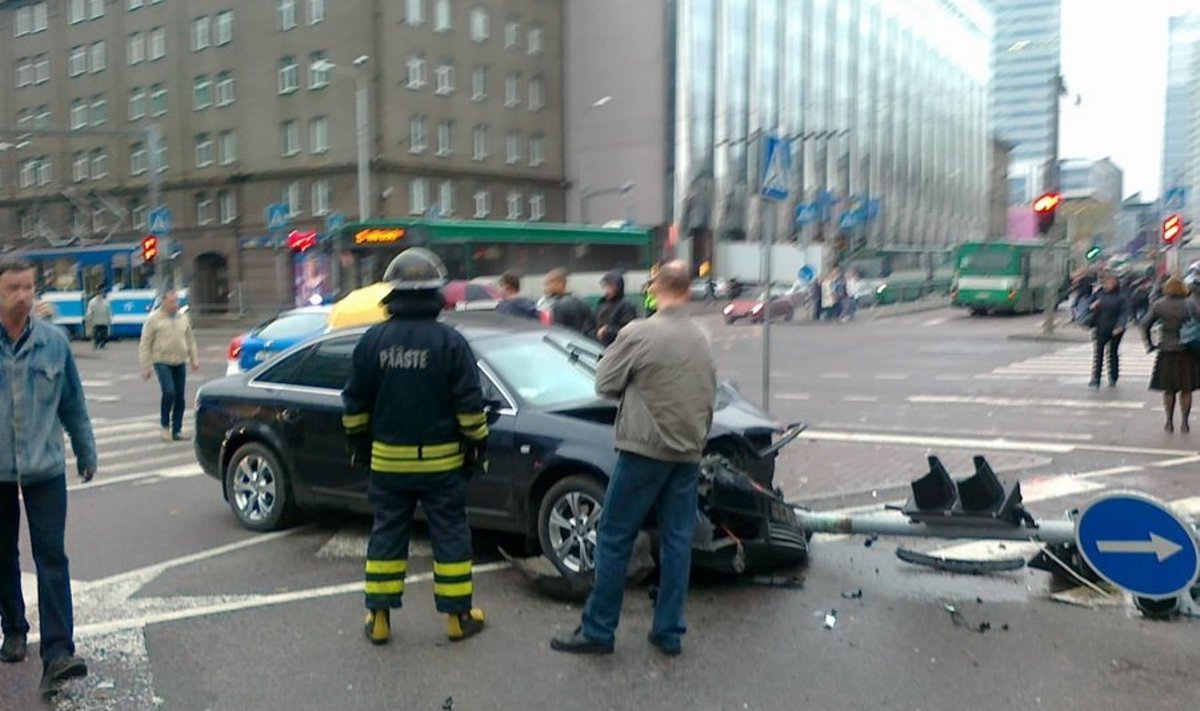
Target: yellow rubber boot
[465,624]
[377,626]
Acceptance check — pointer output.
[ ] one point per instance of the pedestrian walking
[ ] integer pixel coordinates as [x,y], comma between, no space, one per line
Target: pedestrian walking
[167,347]
[1110,313]
[1176,371]
[854,285]
[41,396]
[613,312]
[99,315]
[566,309]
[511,301]
[414,415]
[662,372]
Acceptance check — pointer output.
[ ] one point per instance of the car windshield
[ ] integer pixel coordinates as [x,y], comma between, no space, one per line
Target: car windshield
[544,371]
[293,326]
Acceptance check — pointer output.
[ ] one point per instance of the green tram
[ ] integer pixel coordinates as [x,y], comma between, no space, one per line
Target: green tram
[1009,277]
[897,274]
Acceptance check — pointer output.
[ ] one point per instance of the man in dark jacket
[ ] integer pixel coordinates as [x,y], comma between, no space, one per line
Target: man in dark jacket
[1110,313]
[565,309]
[613,312]
[513,304]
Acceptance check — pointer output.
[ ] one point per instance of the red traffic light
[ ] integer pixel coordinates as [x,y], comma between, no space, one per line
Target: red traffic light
[149,248]
[1047,203]
[1172,229]
[301,241]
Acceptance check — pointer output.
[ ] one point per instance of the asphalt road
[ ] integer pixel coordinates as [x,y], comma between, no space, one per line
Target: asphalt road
[177,607]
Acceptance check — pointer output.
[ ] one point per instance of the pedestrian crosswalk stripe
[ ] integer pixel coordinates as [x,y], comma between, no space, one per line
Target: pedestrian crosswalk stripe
[1073,362]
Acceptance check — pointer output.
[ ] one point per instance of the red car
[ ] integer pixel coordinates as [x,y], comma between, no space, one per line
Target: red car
[462,291]
[782,307]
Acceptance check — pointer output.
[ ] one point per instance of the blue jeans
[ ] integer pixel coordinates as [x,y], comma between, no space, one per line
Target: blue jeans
[46,512]
[173,380]
[638,485]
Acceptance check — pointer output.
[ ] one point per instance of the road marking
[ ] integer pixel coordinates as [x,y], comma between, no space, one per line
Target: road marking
[834,376]
[949,442]
[97,383]
[943,432]
[1025,402]
[792,396]
[181,472]
[1055,487]
[157,447]
[860,398]
[951,378]
[103,398]
[935,321]
[1112,471]
[891,376]
[1177,462]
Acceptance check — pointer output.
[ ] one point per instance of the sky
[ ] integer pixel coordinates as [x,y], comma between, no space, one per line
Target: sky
[1114,56]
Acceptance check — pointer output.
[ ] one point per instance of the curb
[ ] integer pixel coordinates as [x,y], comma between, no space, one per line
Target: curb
[910,308]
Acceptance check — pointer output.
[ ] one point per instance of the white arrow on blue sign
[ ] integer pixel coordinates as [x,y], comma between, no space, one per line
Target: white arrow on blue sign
[1139,544]
[278,216]
[777,168]
[159,221]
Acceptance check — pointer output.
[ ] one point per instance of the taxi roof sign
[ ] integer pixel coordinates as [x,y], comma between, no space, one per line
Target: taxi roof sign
[379,235]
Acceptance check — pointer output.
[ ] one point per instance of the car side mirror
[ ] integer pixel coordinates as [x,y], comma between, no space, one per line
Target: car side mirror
[491,408]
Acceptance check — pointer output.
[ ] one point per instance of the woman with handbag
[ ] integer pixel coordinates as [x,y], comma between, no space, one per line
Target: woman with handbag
[1176,368]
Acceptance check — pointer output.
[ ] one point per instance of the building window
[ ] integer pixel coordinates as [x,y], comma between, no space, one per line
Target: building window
[515,206]
[160,156]
[291,198]
[201,93]
[158,43]
[204,150]
[418,196]
[28,173]
[42,117]
[79,114]
[316,11]
[479,143]
[414,12]
[535,40]
[320,197]
[289,132]
[137,103]
[318,71]
[98,58]
[137,159]
[99,164]
[96,8]
[318,135]
[99,111]
[79,222]
[137,212]
[203,209]
[76,62]
[512,148]
[79,166]
[445,138]
[24,72]
[442,12]
[44,172]
[135,49]
[537,151]
[289,75]
[25,118]
[416,72]
[227,206]
[512,33]
[224,27]
[445,78]
[537,207]
[227,150]
[134,5]
[481,24]
[200,33]
[78,11]
[225,95]
[41,68]
[446,197]
[479,84]
[417,139]
[537,99]
[158,100]
[483,203]
[31,19]
[287,14]
[512,90]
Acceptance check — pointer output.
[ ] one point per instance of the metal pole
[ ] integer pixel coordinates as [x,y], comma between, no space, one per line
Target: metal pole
[583,205]
[894,523]
[362,121]
[764,236]
[162,267]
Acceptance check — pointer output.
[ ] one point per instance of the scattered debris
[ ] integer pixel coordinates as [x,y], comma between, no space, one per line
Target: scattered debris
[984,627]
[105,686]
[788,582]
[870,541]
[448,704]
[853,594]
[953,565]
[831,619]
[1086,597]
[979,600]
[1004,627]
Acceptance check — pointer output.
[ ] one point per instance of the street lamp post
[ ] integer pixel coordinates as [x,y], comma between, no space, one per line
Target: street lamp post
[362,124]
[587,194]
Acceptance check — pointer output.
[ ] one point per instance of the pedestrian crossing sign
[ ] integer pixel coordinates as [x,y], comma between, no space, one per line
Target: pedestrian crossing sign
[777,167]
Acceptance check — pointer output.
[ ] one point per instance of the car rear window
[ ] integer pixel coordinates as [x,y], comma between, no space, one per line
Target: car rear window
[293,326]
[541,373]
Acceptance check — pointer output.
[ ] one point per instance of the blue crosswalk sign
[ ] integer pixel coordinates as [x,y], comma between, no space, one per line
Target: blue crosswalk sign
[1174,199]
[278,216]
[777,168]
[1138,544]
[159,221]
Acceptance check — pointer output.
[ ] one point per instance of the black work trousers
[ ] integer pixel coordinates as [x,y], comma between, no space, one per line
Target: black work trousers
[1112,343]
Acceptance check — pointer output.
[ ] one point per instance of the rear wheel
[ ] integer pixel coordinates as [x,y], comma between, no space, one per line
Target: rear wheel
[569,523]
[256,486]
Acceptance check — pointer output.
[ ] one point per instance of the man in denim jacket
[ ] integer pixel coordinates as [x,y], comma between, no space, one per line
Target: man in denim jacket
[40,396]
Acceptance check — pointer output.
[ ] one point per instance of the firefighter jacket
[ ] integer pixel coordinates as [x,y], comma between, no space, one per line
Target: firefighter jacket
[414,392]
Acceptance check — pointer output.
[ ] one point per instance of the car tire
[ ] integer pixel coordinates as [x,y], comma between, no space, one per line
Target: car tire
[257,488]
[570,545]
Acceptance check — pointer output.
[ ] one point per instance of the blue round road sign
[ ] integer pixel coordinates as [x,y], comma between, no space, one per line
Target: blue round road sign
[1138,544]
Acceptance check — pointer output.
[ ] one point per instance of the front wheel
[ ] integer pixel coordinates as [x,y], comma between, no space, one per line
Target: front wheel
[569,524]
[256,486]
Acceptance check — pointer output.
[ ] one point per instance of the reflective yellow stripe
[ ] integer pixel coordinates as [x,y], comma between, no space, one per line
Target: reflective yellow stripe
[452,569]
[476,433]
[408,451]
[416,466]
[352,422]
[471,420]
[453,589]
[387,566]
[387,587]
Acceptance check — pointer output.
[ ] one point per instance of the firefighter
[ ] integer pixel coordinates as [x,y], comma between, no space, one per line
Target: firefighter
[414,415]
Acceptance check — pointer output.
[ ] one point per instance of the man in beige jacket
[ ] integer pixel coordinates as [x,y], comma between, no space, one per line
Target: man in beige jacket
[167,347]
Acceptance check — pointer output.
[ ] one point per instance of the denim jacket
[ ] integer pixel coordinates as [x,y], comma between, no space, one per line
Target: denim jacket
[40,396]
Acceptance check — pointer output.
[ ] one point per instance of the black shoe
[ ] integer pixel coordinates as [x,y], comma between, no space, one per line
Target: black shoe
[1094,384]
[1112,383]
[61,670]
[177,436]
[576,643]
[671,649]
[14,648]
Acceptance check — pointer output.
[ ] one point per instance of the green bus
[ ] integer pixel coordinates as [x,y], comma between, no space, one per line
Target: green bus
[478,250]
[1009,277]
[897,274]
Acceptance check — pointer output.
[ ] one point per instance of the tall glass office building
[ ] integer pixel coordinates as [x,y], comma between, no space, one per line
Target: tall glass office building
[1181,130]
[885,104]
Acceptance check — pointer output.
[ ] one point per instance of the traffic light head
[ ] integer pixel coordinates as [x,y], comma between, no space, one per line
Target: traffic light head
[149,249]
[1044,209]
[1172,229]
[1093,253]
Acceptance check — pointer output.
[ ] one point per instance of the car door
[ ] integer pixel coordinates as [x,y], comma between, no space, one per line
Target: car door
[491,493]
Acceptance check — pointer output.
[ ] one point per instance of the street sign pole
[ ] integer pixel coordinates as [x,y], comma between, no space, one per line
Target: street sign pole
[774,180]
[765,247]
